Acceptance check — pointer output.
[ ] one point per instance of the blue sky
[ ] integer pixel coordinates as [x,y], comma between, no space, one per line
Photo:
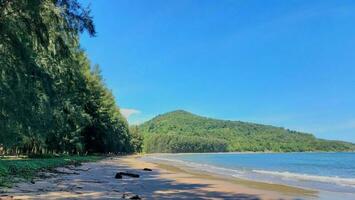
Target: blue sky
[284,63]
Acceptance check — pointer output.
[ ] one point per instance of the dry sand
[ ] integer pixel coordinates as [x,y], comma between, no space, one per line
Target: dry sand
[96,181]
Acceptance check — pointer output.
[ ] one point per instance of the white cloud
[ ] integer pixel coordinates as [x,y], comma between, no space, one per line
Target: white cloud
[127,112]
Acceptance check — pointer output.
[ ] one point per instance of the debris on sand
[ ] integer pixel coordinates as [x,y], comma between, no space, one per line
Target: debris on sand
[126,174]
[118,176]
[135,197]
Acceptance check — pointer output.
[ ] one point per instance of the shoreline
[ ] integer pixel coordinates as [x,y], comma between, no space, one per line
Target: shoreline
[258,173]
[247,152]
[218,183]
[294,192]
[95,180]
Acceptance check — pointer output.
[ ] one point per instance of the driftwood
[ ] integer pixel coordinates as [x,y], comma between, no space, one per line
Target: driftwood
[129,174]
[126,196]
[120,174]
[135,197]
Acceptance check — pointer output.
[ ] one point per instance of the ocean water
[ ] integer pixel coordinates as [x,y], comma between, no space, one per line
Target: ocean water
[333,172]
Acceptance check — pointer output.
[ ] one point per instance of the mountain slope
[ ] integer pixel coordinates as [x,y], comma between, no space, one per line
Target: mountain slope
[181,131]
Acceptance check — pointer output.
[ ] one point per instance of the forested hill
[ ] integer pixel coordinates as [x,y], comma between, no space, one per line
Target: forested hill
[181,131]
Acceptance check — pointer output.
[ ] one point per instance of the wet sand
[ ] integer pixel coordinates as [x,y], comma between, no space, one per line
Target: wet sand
[96,181]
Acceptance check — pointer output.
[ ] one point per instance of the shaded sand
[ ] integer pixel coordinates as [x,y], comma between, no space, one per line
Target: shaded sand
[96,181]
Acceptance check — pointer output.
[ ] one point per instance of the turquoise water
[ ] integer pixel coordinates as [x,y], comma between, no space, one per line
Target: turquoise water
[333,172]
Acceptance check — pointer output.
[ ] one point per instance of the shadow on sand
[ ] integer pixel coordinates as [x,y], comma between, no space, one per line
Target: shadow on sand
[99,183]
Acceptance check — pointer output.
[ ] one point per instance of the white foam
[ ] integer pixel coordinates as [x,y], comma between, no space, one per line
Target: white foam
[202,167]
[306,177]
[348,182]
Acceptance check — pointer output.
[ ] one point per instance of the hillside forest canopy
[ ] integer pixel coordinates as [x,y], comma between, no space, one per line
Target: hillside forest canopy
[180,131]
[52,99]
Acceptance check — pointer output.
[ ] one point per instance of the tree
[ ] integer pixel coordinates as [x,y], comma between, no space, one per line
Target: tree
[50,99]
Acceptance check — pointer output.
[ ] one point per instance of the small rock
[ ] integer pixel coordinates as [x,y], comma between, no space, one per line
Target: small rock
[147,169]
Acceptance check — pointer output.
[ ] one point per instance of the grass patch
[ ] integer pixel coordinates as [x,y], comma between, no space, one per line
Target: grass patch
[13,169]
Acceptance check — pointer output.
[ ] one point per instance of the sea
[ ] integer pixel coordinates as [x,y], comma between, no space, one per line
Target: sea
[331,172]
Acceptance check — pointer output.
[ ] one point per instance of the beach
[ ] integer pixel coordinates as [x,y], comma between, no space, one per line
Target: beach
[190,184]
[96,180]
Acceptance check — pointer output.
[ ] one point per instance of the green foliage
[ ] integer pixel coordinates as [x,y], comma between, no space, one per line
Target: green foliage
[108,130]
[167,143]
[180,131]
[51,101]
[136,140]
[10,169]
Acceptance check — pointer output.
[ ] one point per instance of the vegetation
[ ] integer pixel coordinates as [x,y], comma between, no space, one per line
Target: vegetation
[51,99]
[180,131]
[136,139]
[169,143]
[26,168]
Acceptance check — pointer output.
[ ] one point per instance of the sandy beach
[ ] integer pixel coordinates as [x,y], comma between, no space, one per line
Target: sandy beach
[97,181]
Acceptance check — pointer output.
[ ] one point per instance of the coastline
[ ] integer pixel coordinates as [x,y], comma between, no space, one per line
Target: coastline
[96,180]
[278,190]
[214,183]
[249,152]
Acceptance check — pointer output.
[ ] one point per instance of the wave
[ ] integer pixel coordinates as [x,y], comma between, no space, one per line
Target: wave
[307,177]
[247,174]
[202,167]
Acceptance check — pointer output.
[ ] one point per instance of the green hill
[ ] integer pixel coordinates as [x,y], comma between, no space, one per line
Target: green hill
[181,131]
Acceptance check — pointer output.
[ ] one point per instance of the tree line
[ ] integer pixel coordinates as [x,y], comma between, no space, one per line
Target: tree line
[52,100]
[169,143]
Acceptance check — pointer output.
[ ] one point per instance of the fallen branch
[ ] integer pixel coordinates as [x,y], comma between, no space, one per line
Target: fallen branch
[120,174]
